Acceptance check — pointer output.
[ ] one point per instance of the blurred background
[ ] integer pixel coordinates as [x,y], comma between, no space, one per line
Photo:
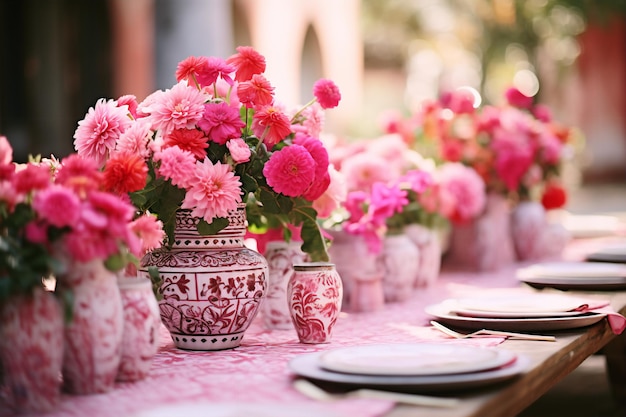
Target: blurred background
[59,56]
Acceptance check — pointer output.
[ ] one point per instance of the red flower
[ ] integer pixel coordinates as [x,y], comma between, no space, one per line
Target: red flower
[247,62]
[271,126]
[125,173]
[327,93]
[189,69]
[518,99]
[554,196]
[192,140]
[255,92]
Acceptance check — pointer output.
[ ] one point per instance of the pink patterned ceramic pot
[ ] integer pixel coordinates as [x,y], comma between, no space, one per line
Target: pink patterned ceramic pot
[401,258]
[427,241]
[93,337]
[211,286]
[280,256]
[315,293]
[142,320]
[31,352]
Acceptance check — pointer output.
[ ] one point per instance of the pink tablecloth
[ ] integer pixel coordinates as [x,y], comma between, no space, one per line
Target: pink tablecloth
[257,372]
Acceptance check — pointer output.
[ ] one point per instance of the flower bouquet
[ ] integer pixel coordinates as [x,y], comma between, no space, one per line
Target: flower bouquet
[216,139]
[53,217]
[210,157]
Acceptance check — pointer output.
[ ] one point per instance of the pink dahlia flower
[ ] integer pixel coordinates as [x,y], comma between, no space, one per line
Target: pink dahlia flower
[518,99]
[326,93]
[6,151]
[461,192]
[364,169]
[256,92]
[130,101]
[97,133]
[135,139]
[176,165]
[180,107]
[33,177]
[290,171]
[215,68]
[334,196]
[213,192]
[150,232]
[58,205]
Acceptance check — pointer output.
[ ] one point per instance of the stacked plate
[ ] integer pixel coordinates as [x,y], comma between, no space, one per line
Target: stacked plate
[423,367]
[575,275]
[612,253]
[517,312]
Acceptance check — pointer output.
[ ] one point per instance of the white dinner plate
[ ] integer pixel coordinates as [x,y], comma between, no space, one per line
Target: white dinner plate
[585,226]
[518,306]
[239,409]
[308,366]
[443,313]
[572,269]
[413,359]
[612,253]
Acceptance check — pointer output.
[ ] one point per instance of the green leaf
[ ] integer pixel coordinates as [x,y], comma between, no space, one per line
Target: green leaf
[218,223]
[156,279]
[269,201]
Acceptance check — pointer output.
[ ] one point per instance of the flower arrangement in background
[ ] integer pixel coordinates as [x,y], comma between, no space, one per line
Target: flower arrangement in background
[389,186]
[216,139]
[517,148]
[53,213]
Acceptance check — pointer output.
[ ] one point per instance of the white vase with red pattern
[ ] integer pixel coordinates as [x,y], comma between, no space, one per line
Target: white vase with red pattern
[315,294]
[140,340]
[93,336]
[401,259]
[31,352]
[280,256]
[212,286]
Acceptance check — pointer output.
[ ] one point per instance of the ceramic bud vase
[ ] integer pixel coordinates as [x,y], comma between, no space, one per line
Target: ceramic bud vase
[212,286]
[140,339]
[93,337]
[361,272]
[485,243]
[402,260]
[280,256]
[31,352]
[315,296]
[428,242]
[534,237]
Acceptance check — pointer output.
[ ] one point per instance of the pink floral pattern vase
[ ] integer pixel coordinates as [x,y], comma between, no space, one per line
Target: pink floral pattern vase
[534,237]
[485,243]
[361,272]
[140,340]
[401,258]
[31,352]
[315,296]
[280,256]
[211,286]
[93,337]
[428,242]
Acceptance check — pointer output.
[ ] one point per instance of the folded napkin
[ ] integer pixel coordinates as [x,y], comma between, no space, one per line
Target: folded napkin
[615,319]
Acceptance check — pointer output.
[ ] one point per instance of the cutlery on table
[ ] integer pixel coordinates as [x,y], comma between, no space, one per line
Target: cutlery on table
[486,332]
[313,391]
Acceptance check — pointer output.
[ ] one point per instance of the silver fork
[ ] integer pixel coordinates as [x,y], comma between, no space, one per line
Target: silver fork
[485,332]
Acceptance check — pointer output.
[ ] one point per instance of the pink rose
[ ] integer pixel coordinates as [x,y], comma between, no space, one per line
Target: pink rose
[239,150]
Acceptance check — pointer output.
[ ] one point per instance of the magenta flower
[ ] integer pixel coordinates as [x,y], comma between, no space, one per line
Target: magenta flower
[97,133]
[213,192]
[461,192]
[326,93]
[6,151]
[221,122]
[214,68]
[386,200]
[57,205]
[290,171]
[518,99]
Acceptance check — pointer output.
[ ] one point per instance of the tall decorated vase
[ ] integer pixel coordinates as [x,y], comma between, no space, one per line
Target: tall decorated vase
[31,352]
[211,287]
[93,336]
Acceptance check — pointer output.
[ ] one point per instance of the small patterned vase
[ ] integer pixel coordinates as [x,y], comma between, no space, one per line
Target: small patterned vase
[402,260]
[93,337]
[428,242]
[141,328]
[315,295]
[280,256]
[31,352]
